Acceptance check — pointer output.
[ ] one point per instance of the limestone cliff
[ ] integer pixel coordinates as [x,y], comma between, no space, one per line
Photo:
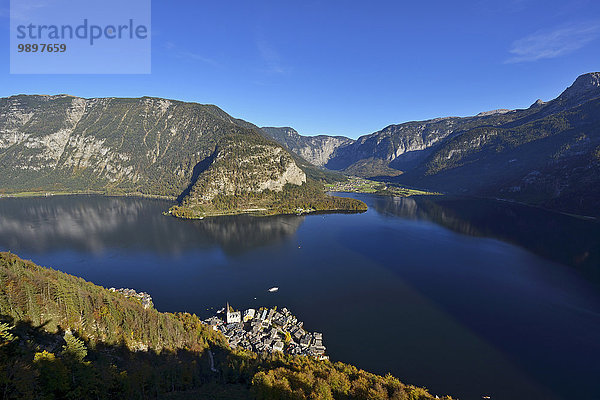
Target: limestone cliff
[240,166]
[318,150]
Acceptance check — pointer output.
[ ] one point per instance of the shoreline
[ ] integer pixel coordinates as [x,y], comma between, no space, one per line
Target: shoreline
[20,195]
[366,186]
[259,212]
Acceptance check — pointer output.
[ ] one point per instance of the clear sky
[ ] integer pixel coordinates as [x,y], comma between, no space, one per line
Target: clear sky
[348,67]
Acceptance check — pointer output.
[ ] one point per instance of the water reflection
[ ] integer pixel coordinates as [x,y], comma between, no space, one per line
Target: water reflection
[558,237]
[459,314]
[237,234]
[93,224]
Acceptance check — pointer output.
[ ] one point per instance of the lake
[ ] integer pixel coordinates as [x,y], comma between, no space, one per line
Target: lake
[467,297]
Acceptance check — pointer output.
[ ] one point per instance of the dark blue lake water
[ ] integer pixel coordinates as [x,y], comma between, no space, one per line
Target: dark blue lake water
[465,297]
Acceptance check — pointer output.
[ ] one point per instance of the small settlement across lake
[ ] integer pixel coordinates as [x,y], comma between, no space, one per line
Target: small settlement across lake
[267,330]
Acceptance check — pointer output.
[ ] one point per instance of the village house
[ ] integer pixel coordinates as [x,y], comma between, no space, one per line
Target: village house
[249,314]
[232,316]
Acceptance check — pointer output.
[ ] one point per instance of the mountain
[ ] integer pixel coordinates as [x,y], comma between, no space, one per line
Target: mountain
[64,338]
[149,146]
[547,154]
[315,149]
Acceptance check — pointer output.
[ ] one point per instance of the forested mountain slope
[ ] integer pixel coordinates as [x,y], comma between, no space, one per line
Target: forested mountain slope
[64,338]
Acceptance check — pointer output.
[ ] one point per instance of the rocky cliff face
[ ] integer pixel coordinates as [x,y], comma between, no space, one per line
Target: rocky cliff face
[239,166]
[148,145]
[317,150]
[395,145]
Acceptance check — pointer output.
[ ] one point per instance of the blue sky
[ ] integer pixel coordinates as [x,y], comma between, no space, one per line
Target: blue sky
[345,67]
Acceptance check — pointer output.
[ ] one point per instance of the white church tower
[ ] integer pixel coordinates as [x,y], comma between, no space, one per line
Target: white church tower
[232,316]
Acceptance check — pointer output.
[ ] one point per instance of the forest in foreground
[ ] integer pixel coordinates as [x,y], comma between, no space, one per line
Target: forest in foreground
[62,337]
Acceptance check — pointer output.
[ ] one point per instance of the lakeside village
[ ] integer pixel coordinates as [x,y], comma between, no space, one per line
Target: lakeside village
[259,330]
[267,330]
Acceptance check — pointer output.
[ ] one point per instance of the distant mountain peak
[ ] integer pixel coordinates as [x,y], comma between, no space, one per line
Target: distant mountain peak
[588,80]
[537,103]
[584,85]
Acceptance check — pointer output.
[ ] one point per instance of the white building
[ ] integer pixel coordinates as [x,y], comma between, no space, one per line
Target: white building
[249,314]
[264,314]
[232,316]
[278,346]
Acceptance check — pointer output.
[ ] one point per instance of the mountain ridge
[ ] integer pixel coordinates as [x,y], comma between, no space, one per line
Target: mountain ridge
[547,154]
[315,149]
